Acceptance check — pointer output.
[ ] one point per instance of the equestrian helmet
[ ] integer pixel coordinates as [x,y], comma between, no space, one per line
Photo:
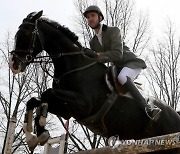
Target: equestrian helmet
[93,8]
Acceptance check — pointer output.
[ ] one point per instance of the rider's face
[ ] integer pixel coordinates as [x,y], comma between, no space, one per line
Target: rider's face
[93,19]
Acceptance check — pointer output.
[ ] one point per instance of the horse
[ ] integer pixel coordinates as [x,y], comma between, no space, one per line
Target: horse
[79,89]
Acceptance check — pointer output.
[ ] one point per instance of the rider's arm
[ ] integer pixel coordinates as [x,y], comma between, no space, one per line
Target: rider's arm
[115,53]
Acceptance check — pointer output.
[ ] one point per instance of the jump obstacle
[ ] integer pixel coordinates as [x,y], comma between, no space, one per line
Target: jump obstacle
[48,149]
[164,142]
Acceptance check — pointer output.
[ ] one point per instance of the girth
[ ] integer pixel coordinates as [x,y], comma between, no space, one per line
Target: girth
[96,122]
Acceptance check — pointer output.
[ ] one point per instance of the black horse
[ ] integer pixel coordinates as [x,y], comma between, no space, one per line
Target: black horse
[79,89]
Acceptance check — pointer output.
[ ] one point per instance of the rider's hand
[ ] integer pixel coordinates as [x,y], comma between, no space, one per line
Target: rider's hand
[90,53]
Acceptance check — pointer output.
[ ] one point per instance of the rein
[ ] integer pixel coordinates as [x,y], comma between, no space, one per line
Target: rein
[60,55]
[29,58]
[29,51]
[57,80]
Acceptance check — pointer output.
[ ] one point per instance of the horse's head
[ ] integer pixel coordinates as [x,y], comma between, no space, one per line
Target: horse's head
[25,41]
[36,34]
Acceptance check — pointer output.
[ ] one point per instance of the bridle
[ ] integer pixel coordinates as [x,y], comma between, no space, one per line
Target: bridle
[29,56]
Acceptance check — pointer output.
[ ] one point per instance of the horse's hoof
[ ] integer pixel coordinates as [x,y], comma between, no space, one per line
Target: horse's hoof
[32,143]
[42,121]
[43,138]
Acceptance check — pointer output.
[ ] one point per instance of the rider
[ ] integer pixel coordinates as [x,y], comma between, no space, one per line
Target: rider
[106,46]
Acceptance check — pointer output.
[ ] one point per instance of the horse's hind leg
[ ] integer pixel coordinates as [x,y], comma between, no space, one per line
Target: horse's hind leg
[31,138]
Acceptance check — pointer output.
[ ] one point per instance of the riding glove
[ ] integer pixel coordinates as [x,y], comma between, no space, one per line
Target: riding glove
[90,53]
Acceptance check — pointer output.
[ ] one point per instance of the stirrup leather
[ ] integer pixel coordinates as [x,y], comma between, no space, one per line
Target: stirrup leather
[112,81]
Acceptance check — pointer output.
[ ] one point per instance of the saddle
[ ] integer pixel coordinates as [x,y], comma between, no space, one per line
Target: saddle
[113,84]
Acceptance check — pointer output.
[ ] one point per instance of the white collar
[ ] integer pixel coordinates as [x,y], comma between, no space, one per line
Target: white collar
[100,31]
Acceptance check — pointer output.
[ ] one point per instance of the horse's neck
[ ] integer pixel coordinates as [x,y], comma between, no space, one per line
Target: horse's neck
[71,63]
[63,64]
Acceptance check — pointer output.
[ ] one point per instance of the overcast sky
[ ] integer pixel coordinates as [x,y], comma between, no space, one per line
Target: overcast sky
[13,11]
[160,11]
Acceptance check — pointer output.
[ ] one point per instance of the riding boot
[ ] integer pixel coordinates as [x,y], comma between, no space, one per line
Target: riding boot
[153,112]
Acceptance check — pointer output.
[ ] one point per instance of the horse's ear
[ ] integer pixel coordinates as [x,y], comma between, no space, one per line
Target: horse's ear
[37,15]
[33,16]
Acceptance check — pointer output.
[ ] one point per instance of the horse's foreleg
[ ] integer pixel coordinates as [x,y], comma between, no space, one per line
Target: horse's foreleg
[28,120]
[43,116]
[31,138]
[42,134]
[31,104]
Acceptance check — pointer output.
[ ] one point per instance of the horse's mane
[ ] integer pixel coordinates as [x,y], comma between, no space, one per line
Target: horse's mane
[72,36]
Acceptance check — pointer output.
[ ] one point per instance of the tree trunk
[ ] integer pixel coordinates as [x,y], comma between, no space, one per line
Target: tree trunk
[10,136]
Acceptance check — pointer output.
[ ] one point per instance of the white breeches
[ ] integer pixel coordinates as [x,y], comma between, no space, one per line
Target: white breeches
[131,73]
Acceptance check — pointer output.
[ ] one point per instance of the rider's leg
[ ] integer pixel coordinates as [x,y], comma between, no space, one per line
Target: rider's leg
[125,77]
[131,73]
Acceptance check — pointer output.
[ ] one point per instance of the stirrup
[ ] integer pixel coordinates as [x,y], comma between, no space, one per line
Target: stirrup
[153,113]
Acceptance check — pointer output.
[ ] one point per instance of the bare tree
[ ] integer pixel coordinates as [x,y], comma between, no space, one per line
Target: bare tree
[84,31]
[10,98]
[140,34]
[164,68]
[135,27]
[15,91]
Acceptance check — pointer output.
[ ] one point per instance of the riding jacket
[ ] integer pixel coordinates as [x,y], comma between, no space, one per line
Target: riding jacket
[111,49]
